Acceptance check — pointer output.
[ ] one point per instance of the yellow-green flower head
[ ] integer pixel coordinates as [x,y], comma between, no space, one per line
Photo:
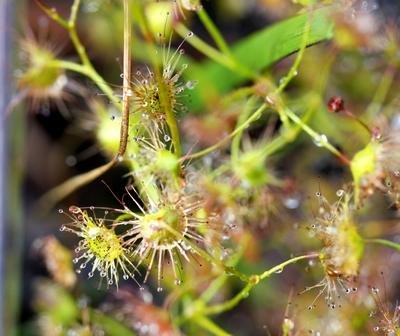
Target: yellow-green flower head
[343,247]
[39,79]
[152,96]
[99,246]
[377,166]
[153,156]
[168,229]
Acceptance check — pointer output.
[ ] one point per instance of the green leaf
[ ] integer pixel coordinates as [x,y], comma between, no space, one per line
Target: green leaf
[257,52]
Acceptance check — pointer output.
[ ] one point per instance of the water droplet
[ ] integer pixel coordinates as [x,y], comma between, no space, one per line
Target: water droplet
[320,140]
[90,275]
[71,160]
[191,84]
[291,202]
[121,75]
[74,209]
[340,193]
[103,274]
[159,289]
[279,270]
[376,328]
[167,138]
[125,276]
[110,282]
[77,250]
[375,290]
[75,260]
[62,228]
[270,100]
[178,282]
[190,34]
[318,194]
[60,211]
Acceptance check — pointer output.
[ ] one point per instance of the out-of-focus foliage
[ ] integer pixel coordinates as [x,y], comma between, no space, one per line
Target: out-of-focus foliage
[261,134]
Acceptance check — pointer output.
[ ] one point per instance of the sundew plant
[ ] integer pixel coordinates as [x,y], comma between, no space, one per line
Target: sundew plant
[208,167]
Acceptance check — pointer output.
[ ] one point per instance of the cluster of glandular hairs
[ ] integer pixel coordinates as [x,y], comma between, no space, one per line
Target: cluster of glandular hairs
[37,80]
[168,229]
[99,246]
[342,248]
[388,317]
[149,90]
[170,224]
[385,155]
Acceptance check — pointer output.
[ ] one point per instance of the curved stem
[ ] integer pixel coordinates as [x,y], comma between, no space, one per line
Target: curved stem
[383,242]
[381,91]
[220,143]
[214,54]
[254,280]
[214,32]
[90,73]
[322,141]
[210,326]
[293,70]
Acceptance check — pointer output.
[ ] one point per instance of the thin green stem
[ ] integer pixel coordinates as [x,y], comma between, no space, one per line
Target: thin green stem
[215,286]
[230,304]
[381,91]
[80,49]
[291,74]
[279,268]
[235,146]
[383,242]
[214,54]
[253,281]
[74,13]
[210,326]
[223,141]
[90,73]
[204,47]
[293,70]
[209,258]
[214,32]
[321,140]
[52,14]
